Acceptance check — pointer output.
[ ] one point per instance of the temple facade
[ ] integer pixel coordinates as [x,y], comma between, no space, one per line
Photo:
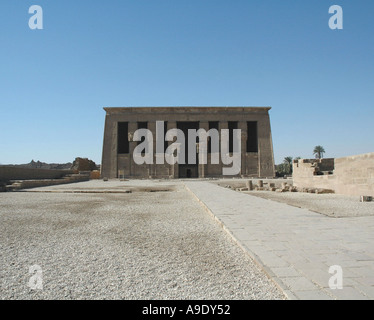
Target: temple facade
[256,150]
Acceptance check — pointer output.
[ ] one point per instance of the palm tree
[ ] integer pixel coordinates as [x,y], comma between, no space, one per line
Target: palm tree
[319,151]
[288,162]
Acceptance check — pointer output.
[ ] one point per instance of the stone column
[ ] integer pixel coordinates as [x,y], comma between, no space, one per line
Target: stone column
[109,158]
[222,125]
[265,147]
[242,125]
[203,167]
[174,169]
[153,167]
[133,126]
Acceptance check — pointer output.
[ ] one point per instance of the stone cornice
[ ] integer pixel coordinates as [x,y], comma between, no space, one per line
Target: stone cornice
[185,110]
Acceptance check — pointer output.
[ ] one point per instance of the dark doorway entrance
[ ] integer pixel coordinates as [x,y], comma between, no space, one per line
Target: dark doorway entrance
[188,170]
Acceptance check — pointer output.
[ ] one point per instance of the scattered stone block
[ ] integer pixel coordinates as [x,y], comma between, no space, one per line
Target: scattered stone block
[261,183]
[271,185]
[366,198]
[249,185]
[105,179]
[321,191]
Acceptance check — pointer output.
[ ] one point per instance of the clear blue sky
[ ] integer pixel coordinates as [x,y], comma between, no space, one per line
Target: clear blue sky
[54,82]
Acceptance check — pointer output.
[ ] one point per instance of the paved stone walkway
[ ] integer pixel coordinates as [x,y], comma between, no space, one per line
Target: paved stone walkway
[296,246]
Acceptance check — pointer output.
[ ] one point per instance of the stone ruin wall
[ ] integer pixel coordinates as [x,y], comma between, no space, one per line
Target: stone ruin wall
[353,175]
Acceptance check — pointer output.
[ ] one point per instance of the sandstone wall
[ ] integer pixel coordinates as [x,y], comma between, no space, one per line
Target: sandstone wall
[15,173]
[353,175]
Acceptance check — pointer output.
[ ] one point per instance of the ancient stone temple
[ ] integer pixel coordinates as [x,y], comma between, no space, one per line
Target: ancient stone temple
[255,155]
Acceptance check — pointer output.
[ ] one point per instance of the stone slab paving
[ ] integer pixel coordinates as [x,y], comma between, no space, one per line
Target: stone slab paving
[295,246]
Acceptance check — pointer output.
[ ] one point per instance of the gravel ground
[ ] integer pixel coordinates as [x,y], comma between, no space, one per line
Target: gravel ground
[333,205]
[144,245]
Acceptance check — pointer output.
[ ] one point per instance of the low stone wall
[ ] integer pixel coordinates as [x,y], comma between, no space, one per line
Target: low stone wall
[16,185]
[8,173]
[353,175]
